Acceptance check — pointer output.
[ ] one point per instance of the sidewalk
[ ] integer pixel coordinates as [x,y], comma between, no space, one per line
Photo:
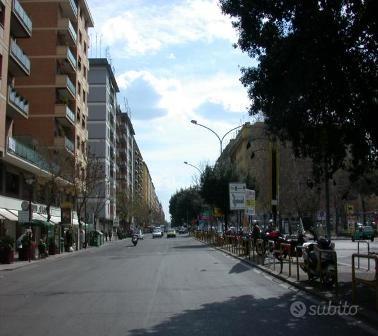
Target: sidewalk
[296,277]
[18,264]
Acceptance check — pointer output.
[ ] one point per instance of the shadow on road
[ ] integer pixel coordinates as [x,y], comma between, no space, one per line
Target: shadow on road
[247,315]
[239,268]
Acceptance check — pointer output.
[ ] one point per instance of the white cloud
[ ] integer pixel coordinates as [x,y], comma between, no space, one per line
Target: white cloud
[141,29]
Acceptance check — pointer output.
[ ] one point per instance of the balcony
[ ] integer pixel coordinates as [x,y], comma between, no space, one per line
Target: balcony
[68,32]
[65,115]
[67,90]
[17,105]
[21,25]
[20,63]
[64,142]
[69,9]
[69,63]
[26,152]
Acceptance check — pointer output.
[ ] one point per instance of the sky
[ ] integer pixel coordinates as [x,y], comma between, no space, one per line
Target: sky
[174,61]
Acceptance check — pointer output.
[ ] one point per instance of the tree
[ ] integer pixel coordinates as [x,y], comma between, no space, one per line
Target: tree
[185,205]
[56,163]
[316,79]
[215,186]
[89,186]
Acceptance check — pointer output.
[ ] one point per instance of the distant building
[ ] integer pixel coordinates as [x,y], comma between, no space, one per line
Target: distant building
[102,137]
[286,184]
[125,167]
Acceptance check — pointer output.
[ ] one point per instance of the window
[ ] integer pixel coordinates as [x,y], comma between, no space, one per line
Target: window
[84,96]
[77,142]
[79,88]
[79,63]
[78,115]
[83,122]
[85,48]
[85,72]
[80,37]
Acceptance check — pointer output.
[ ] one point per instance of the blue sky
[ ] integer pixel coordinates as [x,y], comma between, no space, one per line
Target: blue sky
[174,61]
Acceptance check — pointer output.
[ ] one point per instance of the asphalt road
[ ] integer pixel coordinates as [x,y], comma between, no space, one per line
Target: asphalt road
[160,287]
[345,249]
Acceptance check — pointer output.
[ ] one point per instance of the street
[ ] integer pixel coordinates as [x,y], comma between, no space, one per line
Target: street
[160,287]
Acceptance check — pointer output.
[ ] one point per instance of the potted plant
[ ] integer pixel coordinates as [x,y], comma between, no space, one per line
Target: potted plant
[6,250]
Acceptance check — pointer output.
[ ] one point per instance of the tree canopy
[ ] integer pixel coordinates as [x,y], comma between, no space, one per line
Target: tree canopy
[316,77]
[185,205]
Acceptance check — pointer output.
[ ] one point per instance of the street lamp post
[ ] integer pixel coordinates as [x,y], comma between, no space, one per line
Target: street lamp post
[189,164]
[216,134]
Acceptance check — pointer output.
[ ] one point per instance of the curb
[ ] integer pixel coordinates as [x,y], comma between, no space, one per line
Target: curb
[361,314]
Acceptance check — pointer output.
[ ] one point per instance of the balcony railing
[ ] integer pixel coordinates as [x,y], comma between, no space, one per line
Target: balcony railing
[71,57]
[22,16]
[19,55]
[72,31]
[69,145]
[70,115]
[23,151]
[18,101]
[71,86]
[74,6]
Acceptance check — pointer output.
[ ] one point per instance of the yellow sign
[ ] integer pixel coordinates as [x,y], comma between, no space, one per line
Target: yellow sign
[218,212]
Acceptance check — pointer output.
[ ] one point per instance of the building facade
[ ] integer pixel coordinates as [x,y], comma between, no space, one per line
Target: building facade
[125,169]
[285,186]
[43,106]
[102,132]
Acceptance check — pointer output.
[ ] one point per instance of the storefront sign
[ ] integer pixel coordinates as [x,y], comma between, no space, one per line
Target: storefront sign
[23,216]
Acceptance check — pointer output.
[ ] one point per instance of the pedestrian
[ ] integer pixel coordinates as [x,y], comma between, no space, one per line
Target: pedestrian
[110,235]
[106,235]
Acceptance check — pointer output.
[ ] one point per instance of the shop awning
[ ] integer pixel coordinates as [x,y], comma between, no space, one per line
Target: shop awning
[38,219]
[7,214]
[53,219]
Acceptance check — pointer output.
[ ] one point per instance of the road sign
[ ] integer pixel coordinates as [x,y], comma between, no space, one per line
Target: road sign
[237,196]
[23,216]
[250,201]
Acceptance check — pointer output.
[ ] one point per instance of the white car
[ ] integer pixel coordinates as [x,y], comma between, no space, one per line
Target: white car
[140,234]
[157,233]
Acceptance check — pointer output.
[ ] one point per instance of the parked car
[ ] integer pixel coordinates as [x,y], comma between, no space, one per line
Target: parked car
[182,230]
[140,234]
[157,233]
[171,233]
[363,232]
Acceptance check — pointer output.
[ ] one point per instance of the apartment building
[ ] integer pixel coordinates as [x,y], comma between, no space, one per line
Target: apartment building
[20,165]
[125,154]
[57,88]
[102,137]
[125,169]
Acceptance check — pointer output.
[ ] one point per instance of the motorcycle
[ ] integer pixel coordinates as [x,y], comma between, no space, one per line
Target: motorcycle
[320,264]
[134,240]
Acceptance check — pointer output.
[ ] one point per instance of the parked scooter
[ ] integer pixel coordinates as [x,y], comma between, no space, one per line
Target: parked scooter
[134,239]
[321,265]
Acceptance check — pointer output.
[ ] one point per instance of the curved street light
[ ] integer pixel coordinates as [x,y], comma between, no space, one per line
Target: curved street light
[189,164]
[216,134]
